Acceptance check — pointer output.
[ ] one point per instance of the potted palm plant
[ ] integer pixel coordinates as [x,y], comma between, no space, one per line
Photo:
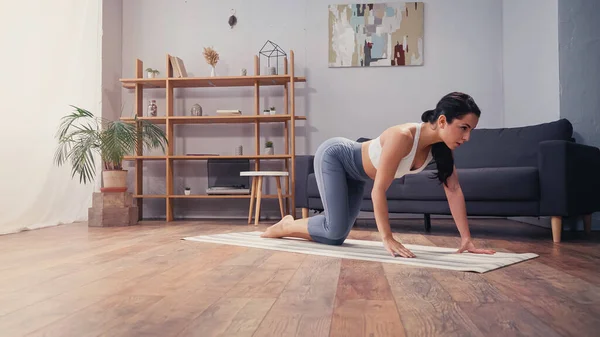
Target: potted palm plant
[81,135]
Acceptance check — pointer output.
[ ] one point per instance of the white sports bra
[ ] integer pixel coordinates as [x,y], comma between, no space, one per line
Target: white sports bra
[406,162]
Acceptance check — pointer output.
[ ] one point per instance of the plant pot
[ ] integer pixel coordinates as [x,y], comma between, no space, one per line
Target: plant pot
[269,150]
[114,180]
[273,112]
[150,74]
[187,192]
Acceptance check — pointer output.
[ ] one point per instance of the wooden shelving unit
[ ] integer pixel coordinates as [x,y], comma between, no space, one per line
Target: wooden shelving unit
[289,118]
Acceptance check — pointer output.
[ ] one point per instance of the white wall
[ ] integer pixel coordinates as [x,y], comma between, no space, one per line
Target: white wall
[51,59]
[530,61]
[461,46]
[112,55]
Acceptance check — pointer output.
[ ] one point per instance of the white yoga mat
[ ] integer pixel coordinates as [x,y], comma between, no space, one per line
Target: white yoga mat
[427,256]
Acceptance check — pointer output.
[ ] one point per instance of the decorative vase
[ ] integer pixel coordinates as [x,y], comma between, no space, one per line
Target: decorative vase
[213,71]
[244,72]
[239,150]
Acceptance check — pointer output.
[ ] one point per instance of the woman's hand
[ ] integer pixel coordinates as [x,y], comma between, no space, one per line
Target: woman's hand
[467,245]
[396,248]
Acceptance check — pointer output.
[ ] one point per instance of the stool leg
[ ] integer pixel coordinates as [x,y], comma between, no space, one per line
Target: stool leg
[279,196]
[252,196]
[258,198]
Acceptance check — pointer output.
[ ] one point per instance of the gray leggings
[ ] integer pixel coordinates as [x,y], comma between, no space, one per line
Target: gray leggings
[341,180]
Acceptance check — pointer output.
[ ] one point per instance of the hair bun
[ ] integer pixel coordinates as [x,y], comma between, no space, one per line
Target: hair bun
[427,116]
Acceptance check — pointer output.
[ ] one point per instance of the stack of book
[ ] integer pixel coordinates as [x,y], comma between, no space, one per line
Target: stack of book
[228,112]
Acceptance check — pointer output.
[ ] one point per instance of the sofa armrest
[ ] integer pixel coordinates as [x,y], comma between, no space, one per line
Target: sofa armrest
[569,179]
[304,167]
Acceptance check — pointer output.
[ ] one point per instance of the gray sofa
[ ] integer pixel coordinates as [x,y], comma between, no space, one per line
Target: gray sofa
[535,170]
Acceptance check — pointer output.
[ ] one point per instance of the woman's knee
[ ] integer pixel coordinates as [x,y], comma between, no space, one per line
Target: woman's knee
[337,232]
[328,241]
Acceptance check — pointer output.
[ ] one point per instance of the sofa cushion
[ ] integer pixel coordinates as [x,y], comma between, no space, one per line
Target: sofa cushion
[509,147]
[501,183]
[484,184]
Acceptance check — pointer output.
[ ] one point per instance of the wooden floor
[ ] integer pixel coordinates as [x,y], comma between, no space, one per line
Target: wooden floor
[145,281]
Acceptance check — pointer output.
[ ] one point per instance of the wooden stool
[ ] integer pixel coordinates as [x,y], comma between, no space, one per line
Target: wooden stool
[256,191]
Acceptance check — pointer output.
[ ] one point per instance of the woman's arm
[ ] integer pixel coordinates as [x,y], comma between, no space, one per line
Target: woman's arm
[456,201]
[396,145]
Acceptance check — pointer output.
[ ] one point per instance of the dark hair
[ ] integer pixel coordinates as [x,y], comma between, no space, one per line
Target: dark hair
[453,105]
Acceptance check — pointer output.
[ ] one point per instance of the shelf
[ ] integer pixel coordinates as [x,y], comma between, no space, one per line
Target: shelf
[231,119]
[252,117]
[151,196]
[130,83]
[145,157]
[219,81]
[207,196]
[204,157]
[264,156]
[217,119]
[153,120]
[226,196]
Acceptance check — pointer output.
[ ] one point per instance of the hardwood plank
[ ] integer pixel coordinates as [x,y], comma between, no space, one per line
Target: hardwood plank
[425,307]
[97,317]
[70,276]
[150,275]
[229,315]
[550,304]
[506,319]
[78,275]
[268,279]
[561,257]
[249,317]
[191,290]
[469,287]
[166,317]
[305,306]
[361,317]
[364,303]
[34,317]
[362,280]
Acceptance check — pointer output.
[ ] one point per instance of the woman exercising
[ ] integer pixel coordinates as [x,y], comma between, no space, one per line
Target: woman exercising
[343,166]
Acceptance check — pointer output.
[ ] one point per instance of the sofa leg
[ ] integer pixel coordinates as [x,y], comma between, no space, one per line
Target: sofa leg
[427,222]
[304,213]
[556,228]
[587,224]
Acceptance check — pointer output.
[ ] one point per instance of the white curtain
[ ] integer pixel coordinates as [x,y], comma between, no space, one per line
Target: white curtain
[50,59]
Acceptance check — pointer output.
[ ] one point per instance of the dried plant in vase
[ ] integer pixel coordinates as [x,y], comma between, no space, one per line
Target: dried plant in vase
[212,57]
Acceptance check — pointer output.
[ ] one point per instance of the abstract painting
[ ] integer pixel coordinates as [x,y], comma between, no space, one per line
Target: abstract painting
[373,35]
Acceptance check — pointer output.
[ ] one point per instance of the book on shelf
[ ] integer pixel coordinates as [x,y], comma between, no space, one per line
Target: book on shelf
[225,112]
[178,67]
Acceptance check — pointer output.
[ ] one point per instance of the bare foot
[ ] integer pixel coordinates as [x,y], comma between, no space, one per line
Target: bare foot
[278,229]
